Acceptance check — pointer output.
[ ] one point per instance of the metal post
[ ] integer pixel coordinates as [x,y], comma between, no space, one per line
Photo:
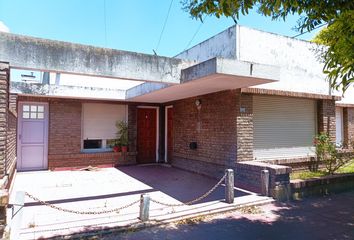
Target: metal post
[144,207]
[265,182]
[229,186]
[17,212]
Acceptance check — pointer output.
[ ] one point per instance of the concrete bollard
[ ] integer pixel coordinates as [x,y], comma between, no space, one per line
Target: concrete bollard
[229,186]
[144,207]
[265,182]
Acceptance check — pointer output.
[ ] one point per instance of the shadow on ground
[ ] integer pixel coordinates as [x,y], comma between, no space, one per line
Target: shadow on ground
[330,217]
[181,185]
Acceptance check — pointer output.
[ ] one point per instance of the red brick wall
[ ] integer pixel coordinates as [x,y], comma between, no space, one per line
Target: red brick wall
[213,127]
[8,127]
[13,102]
[348,126]
[64,127]
[4,103]
[64,138]
[245,128]
[326,111]
[11,143]
[80,160]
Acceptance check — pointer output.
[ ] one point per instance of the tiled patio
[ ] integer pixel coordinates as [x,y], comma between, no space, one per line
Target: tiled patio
[111,188]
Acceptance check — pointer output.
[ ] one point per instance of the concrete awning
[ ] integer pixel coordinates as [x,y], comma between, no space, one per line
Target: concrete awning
[30,53]
[210,76]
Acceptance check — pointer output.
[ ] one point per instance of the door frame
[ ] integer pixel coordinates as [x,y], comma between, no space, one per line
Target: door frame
[166,129]
[19,130]
[157,128]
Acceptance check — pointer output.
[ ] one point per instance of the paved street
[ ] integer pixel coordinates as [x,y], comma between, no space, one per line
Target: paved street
[330,217]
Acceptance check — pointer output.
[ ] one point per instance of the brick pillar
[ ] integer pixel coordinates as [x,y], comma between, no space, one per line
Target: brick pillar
[4,101]
[348,127]
[326,111]
[245,128]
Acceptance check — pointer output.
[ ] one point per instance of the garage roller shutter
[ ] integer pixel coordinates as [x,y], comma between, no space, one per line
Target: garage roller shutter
[283,127]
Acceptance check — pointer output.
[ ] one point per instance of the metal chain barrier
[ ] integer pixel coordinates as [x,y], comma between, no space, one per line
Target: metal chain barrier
[81,212]
[127,205]
[194,200]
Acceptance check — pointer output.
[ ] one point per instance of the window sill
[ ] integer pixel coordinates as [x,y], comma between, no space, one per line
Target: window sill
[96,150]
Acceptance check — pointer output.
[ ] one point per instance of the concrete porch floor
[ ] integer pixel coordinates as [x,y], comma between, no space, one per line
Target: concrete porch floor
[110,188]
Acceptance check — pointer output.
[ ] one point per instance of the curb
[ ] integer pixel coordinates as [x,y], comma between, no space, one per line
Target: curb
[154,223]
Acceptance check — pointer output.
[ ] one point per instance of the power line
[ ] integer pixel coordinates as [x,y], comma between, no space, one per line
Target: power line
[195,34]
[309,30]
[163,28]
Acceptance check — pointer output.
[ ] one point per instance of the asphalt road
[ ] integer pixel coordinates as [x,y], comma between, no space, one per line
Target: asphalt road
[330,217]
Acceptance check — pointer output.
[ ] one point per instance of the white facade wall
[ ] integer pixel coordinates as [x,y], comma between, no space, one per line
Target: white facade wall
[301,70]
[222,45]
[348,97]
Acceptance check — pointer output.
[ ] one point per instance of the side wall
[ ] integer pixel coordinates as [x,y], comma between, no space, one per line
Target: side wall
[212,127]
[64,138]
[8,124]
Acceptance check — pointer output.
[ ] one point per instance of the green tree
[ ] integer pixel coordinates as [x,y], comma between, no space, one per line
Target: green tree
[338,55]
[337,14]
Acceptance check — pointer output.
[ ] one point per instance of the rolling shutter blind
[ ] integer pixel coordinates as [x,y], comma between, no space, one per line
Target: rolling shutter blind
[283,127]
[339,125]
[99,120]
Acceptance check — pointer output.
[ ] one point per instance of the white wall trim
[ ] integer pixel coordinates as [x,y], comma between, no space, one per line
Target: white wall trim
[166,128]
[157,128]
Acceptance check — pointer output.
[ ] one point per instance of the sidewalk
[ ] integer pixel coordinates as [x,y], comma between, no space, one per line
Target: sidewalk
[327,218]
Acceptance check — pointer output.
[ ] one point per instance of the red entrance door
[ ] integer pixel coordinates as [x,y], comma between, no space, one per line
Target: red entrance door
[146,140]
[169,134]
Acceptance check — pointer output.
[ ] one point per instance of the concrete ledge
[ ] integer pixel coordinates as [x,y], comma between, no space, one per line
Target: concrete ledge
[263,91]
[67,91]
[231,67]
[248,173]
[24,52]
[321,186]
[111,159]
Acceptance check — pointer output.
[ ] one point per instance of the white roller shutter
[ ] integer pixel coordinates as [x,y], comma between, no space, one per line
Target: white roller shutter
[339,126]
[99,120]
[283,127]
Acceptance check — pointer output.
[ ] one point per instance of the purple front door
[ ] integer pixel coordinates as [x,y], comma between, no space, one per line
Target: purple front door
[32,136]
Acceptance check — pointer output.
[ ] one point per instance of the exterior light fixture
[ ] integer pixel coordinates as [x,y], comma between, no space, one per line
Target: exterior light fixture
[198,104]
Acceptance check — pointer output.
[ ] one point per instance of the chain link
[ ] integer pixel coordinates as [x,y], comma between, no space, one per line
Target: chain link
[127,205]
[192,201]
[81,212]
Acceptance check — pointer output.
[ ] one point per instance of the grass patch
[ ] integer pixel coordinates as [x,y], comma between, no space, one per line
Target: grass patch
[307,174]
[347,168]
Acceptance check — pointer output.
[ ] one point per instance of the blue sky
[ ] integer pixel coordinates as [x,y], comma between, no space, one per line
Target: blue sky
[130,25]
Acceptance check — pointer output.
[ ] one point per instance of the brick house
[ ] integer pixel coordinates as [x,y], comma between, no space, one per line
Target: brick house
[242,95]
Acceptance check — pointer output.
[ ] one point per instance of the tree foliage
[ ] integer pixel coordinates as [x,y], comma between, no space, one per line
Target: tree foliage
[337,14]
[328,154]
[338,55]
